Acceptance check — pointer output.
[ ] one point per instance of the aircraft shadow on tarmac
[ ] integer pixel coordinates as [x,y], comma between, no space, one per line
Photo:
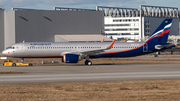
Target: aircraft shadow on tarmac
[97,64]
[80,64]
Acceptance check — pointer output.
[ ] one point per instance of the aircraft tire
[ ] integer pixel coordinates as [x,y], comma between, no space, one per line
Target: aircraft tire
[88,63]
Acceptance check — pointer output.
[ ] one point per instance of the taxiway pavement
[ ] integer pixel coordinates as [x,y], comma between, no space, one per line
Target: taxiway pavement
[82,73]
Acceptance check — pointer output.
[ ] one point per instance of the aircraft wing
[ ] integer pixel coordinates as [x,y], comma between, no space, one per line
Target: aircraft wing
[94,52]
[90,52]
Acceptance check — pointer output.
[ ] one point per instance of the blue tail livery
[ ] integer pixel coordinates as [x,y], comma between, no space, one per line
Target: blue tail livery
[162,32]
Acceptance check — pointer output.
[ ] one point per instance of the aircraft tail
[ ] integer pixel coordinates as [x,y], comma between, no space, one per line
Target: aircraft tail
[161,34]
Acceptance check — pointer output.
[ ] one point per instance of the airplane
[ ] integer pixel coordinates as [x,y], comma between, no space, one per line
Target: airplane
[72,52]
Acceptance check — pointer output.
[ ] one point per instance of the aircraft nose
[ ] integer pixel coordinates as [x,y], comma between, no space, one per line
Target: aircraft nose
[5,52]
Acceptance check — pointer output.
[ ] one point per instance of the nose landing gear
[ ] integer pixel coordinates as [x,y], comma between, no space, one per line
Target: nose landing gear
[88,62]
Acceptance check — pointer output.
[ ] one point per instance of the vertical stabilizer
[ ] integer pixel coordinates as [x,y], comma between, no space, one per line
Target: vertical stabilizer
[161,33]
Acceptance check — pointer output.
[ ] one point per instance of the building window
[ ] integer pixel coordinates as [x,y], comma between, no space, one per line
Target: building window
[128,29]
[126,33]
[118,34]
[110,25]
[126,20]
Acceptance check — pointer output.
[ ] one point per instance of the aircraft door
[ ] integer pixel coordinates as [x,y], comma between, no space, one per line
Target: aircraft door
[145,48]
[21,47]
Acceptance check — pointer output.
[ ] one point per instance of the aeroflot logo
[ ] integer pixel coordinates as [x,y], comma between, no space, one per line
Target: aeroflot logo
[40,44]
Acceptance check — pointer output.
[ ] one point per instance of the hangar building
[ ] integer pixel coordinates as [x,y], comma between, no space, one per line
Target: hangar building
[31,25]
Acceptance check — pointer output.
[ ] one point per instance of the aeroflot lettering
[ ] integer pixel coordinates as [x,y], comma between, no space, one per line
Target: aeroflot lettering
[134,44]
[40,44]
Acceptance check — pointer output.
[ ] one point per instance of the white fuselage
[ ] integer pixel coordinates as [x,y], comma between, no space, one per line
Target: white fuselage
[58,49]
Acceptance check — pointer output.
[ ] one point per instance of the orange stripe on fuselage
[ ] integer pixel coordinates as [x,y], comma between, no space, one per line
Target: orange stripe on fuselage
[118,51]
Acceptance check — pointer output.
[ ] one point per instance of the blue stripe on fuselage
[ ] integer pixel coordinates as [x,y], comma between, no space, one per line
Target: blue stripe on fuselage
[132,52]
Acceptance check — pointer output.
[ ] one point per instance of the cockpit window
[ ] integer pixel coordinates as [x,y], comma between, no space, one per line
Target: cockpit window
[10,47]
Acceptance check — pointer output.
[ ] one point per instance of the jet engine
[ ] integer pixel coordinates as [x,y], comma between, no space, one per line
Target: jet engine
[70,58]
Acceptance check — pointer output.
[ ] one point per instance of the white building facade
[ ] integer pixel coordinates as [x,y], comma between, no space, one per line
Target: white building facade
[130,23]
[122,28]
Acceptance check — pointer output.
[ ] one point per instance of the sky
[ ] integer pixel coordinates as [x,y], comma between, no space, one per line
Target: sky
[86,4]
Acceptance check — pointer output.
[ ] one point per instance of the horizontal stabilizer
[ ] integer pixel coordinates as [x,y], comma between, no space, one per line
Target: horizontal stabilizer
[164,46]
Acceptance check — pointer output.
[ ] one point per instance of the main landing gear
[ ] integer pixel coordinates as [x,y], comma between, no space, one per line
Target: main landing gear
[88,62]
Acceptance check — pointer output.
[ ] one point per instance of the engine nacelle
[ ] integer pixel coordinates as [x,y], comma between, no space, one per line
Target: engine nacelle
[70,58]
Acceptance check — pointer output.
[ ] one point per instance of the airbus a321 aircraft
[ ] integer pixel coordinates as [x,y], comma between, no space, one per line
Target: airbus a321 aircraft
[72,52]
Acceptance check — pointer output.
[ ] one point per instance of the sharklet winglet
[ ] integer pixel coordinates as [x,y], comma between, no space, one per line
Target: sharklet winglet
[112,44]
